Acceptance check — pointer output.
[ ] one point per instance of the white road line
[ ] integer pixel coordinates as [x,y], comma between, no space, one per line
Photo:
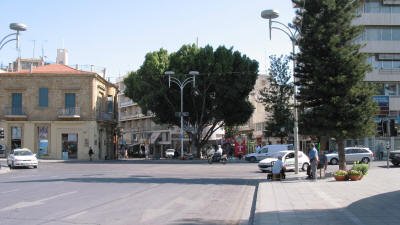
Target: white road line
[5,192]
[73,216]
[35,203]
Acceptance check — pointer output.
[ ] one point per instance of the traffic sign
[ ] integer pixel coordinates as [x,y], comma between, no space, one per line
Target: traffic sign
[178,114]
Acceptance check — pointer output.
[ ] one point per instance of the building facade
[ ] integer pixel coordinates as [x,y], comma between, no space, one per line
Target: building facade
[58,112]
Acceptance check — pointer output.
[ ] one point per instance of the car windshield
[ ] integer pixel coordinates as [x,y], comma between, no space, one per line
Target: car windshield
[19,153]
[276,155]
[170,150]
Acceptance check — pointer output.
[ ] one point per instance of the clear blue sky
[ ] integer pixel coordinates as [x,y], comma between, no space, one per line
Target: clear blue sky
[116,34]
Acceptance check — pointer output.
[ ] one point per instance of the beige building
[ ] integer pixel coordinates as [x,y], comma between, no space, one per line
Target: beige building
[58,112]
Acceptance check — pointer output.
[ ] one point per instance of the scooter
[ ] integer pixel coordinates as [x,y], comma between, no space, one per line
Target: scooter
[218,158]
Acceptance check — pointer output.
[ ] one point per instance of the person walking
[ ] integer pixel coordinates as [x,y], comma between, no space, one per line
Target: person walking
[126,153]
[91,153]
[314,161]
[323,163]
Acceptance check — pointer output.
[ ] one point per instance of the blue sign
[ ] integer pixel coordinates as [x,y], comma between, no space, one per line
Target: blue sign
[382,100]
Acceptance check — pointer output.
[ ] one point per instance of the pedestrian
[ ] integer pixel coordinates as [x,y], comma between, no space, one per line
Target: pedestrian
[90,153]
[278,169]
[314,161]
[258,148]
[126,153]
[323,163]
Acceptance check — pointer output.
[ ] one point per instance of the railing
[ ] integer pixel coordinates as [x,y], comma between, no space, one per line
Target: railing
[14,111]
[69,112]
[105,116]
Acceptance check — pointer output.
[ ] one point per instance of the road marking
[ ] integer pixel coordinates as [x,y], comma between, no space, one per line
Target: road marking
[73,216]
[35,203]
[5,192]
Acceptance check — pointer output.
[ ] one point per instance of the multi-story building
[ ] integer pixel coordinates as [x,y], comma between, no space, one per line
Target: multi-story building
[139,130]
[58,112]
[381,36]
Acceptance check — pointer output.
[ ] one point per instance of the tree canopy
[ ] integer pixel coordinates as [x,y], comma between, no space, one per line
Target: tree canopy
[276,98]
[330,70]
[220,95]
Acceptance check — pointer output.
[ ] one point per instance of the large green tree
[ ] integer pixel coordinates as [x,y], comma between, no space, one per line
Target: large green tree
[219,98]
[276,98]
[330,70]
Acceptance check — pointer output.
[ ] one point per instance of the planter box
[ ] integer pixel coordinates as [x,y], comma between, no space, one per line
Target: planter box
[340,178]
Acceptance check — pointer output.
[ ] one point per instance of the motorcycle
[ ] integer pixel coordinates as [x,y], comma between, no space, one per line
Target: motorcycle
[218,158]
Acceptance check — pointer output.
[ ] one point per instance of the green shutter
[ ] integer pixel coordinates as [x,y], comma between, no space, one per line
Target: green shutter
[43,97]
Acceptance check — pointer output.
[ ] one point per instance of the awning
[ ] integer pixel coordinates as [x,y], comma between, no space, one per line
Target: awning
[154,137]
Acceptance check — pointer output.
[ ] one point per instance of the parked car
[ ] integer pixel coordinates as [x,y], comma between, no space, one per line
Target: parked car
[22,157]
[170,153]
[352,154]
[395,157]
[266,164]
[267,150]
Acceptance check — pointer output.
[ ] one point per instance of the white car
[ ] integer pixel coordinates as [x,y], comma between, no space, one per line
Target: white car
[22,157]
[170,153]
[267,150]
[266,164]
[352,154]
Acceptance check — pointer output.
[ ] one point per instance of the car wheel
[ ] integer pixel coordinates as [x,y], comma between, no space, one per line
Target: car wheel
[365,160]
[253,159]
[334,161]
[396,164]
[304,167]
[35,167]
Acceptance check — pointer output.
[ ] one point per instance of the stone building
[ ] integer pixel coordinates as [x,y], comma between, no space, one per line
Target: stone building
[58,112]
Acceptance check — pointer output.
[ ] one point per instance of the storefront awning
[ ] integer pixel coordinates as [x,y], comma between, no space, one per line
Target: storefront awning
[154,137]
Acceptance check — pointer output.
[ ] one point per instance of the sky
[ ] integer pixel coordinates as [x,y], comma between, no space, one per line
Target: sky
[117,34]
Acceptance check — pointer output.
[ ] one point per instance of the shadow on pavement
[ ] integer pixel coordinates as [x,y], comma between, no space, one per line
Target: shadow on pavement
[149,180]
[150,161]
[374,210]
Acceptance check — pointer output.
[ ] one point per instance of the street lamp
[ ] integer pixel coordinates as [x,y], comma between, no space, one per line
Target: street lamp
[13,26]
[182,85]
[271,14]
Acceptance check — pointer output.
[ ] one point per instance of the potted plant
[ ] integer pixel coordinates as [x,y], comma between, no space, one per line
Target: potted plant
[363,168]
[340,175]
[354,174]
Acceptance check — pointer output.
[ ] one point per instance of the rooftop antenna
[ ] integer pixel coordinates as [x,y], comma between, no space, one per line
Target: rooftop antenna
[44,41]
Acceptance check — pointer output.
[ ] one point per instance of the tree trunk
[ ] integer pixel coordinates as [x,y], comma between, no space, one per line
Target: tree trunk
[342,159]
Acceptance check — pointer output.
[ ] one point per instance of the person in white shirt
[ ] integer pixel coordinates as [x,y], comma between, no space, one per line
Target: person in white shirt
[278,169]
[219,151]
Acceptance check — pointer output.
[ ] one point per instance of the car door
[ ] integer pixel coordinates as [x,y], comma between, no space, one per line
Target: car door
[262,153]
[350,155]
[289,161]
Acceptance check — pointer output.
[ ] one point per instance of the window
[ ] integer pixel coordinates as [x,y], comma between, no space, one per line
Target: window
[396,34]
[372,7]
[69,100]
[43,97]
[110,104]
[372,34]
[390,89]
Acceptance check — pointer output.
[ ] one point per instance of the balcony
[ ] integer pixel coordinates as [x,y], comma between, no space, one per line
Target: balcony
[15,113]
[69,113]
[105,116]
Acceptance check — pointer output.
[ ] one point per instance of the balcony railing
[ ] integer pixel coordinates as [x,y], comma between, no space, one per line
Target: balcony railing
[105,116]
[17,112]
[72,112]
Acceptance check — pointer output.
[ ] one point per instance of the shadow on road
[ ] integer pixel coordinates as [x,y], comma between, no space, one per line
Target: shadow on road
[378,209]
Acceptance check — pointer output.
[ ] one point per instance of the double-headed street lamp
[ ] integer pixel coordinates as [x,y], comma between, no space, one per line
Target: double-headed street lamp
[13,26]
[271,14]
[182,85]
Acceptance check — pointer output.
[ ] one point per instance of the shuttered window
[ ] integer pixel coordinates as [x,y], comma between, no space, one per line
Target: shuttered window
[43,97]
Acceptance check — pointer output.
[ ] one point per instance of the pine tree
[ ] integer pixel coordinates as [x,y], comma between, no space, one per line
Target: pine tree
[276,98]
[330,71]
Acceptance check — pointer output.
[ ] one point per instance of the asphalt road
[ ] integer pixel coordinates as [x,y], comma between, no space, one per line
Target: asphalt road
[130,192]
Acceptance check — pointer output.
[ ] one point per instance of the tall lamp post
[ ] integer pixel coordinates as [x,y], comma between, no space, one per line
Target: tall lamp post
[182,85]
[271,14]
[13,26]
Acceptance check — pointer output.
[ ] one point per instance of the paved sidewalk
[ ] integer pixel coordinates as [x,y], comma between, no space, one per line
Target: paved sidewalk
[296,201]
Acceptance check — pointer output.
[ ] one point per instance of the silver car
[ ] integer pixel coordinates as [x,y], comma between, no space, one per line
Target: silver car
[352,154]
[22,157]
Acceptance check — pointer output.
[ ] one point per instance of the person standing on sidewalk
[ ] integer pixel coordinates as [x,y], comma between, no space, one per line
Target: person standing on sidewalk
[314,161]
[90,153]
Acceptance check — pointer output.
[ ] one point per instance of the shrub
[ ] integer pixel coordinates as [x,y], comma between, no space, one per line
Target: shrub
[340,173]
[354,172]
[360,167]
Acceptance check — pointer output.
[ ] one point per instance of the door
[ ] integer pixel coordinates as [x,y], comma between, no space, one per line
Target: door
[16,104]
[349,155]
[262,154]
[70,103]
[289,161]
